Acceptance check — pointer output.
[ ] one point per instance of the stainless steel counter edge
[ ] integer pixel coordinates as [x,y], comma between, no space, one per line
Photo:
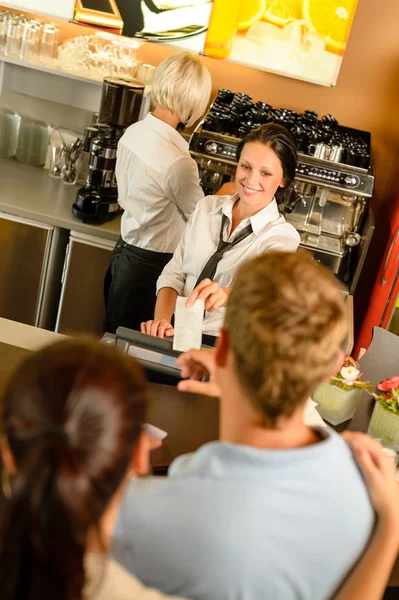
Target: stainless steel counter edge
[29,193]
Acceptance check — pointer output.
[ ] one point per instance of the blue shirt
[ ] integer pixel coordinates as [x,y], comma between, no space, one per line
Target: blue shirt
[232,522]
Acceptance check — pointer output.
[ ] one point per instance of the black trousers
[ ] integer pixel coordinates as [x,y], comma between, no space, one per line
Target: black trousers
[130,286]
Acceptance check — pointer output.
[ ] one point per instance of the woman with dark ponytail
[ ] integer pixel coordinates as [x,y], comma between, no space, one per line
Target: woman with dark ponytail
[71,420]
[224,232]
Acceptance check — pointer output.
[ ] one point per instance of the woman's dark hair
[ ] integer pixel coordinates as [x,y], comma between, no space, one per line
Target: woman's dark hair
[280,140]
[71,416]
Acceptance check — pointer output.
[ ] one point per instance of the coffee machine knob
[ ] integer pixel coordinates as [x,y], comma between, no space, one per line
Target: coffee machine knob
[350,180]
[211,147]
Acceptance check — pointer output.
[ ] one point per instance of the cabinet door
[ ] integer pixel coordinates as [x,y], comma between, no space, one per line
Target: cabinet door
[81,308]
[25,248]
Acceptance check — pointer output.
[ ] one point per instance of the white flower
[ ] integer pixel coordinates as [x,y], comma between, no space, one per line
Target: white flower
[349,375]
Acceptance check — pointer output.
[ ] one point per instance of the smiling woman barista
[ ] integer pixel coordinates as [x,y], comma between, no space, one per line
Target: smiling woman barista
[158,186]
[225,231]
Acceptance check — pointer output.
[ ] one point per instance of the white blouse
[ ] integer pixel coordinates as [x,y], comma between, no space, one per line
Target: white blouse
[107,580]
[158,185]
[200,241]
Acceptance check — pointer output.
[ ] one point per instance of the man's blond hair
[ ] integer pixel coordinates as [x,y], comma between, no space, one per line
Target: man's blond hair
[182,84]
[286,322]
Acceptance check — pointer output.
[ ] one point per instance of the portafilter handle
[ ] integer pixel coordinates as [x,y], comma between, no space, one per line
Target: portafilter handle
[295,198]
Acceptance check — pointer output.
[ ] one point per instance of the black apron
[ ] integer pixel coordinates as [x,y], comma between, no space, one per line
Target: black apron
[130,286]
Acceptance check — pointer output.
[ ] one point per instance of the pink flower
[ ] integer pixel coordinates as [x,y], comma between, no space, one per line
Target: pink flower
[389,384]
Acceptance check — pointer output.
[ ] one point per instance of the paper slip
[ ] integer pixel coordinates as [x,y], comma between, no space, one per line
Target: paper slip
[188,325]
[155,432]
[310,405]
[310,416]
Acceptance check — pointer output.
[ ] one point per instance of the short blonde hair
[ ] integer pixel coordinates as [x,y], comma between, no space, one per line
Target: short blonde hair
[286,322]
[182,84]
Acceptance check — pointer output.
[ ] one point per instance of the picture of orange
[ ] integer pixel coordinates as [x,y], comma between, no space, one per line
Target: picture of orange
[281,12]
[332,19]
[250,13]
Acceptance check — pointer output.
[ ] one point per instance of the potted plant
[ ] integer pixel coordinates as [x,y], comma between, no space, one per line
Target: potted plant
[384,422]
[338,398]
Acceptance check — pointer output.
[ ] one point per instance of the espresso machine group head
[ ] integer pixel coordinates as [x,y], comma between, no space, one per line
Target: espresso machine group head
[97,201]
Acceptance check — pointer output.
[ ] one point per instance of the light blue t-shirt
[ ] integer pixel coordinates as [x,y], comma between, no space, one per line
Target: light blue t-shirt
[232,522]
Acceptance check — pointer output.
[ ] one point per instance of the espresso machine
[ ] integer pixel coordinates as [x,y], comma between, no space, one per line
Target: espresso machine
[97,201]
[328,202]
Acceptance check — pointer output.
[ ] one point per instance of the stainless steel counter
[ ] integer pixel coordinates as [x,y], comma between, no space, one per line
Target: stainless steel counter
[29,193]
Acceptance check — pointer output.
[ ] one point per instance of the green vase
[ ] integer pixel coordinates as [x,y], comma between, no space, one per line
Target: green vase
[336,405]
[384,424]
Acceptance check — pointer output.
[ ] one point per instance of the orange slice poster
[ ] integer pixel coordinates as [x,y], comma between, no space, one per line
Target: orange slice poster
[305,39]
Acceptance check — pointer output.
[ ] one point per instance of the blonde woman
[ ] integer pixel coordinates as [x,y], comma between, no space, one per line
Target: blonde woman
[158,186]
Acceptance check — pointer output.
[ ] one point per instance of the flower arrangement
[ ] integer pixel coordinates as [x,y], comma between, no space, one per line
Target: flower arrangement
[349,377]
[338,398]
[388,394]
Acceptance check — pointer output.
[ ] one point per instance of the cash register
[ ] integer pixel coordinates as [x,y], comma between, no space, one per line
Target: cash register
[155,355]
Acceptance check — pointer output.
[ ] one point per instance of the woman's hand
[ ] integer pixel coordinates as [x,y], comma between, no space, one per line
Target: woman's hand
[379,472]
[198,364]
[210,291]
[157,327]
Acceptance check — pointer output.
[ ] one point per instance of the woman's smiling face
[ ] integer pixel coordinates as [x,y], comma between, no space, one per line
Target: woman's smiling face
[259,174]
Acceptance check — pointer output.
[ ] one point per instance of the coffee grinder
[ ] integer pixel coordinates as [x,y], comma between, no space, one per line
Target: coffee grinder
[97,201]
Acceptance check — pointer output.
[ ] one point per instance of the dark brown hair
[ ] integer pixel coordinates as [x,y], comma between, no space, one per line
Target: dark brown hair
[280,140]
[286,322]
[72,414]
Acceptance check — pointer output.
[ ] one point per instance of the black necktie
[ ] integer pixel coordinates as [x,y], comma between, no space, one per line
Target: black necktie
[208,272]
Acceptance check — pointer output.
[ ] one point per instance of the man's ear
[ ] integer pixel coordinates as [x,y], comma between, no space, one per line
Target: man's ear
[141,455]
[222,348]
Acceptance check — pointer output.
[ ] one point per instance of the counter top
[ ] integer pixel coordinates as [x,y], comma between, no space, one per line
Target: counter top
[29,192]
[26,337]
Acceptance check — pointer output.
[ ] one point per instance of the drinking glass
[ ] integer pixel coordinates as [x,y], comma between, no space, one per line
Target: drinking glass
[9,129]
[30,40]
[145,73]
[4,18]
[55,161]
[124,62]
[15,27]
[73,53]
[103,42]
[48,43]
[222,28]
[33,141]
[99,65]
[70,161]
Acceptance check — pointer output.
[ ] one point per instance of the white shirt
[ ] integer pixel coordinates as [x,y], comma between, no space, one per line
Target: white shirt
[158,185]
[200,241]
[107,580]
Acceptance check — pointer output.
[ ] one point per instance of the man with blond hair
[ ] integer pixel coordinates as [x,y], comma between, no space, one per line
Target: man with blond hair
[275,509]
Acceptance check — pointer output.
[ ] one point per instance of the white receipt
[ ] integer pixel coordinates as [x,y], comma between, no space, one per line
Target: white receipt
[155,432]
[188,325]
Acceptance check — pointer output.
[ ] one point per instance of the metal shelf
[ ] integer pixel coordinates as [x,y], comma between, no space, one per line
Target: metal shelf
[49,84]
